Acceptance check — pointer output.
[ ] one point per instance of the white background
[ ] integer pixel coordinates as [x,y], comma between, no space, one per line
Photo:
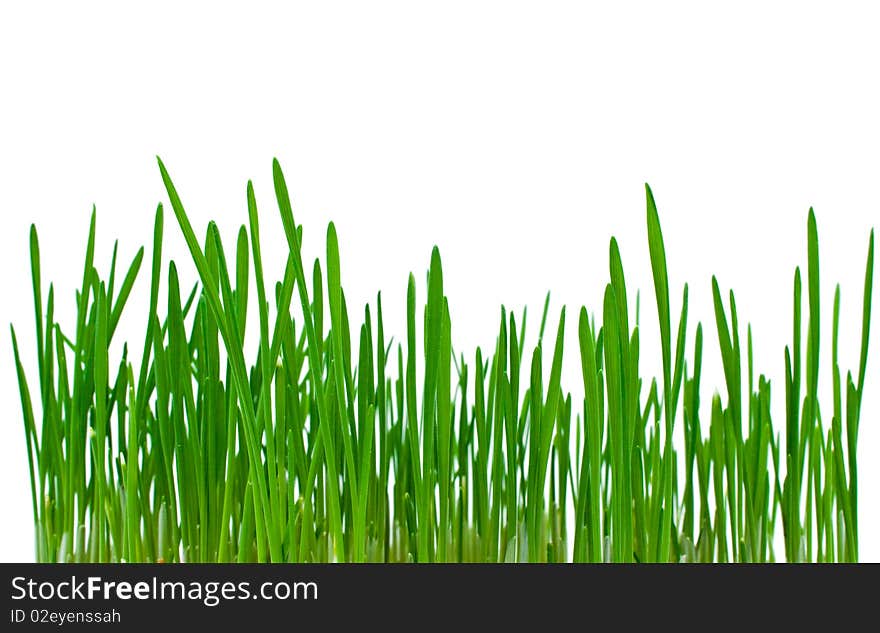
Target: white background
[516,136]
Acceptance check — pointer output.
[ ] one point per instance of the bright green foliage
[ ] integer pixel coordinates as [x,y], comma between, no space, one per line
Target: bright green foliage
[326,447]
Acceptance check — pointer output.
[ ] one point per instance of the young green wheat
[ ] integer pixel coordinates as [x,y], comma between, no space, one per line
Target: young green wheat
[321,450]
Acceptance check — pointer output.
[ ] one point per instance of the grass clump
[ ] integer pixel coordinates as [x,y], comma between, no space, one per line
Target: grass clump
[321,450]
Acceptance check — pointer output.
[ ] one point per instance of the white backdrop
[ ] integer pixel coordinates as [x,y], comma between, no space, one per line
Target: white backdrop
[517,136]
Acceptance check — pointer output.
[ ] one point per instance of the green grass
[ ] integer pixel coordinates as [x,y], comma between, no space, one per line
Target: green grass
[329,447]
